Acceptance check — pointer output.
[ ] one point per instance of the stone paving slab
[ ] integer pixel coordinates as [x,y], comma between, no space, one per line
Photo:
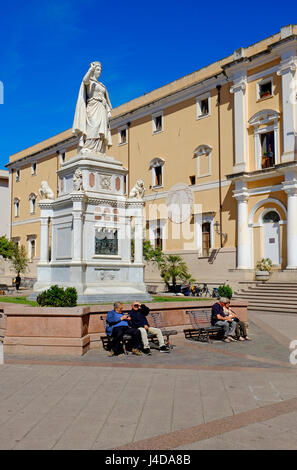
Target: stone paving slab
[121,406]
[233,396]
[262,351]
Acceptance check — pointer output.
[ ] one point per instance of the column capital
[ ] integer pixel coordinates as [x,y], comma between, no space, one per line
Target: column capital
[287,65]
[290,187]
[239,85]
[241,196]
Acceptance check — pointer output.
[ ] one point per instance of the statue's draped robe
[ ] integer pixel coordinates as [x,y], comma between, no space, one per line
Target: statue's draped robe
[91,121]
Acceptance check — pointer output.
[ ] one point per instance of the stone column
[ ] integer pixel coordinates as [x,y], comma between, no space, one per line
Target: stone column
[44,239]
[287,71]
[290,187]
[138,241]
[77,211]
[239,89]
[243,242]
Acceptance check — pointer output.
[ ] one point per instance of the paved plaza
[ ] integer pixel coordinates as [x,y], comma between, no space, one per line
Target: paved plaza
[200,396]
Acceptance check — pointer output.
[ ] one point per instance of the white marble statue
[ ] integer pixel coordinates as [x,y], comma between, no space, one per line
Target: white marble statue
[137,192]
[92,114]
[77,180]
[45,192]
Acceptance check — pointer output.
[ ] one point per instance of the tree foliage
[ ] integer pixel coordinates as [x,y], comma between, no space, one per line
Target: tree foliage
[20,260]
[56,296]
[6,248]
[225,291]
[173,268]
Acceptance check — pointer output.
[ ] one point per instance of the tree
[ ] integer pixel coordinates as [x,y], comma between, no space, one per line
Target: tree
[6,248]
[173,268]
[19,259]
[152,254]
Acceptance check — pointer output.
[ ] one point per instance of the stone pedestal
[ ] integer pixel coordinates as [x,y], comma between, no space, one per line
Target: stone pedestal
[91,233]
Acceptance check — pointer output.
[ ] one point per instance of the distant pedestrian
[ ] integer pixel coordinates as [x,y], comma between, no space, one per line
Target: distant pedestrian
[17,282]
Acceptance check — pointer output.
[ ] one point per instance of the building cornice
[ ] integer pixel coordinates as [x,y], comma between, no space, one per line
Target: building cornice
[43,153]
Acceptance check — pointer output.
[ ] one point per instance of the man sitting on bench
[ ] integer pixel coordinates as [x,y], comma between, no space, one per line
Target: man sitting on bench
[138,320]
[117,326]
[220,318]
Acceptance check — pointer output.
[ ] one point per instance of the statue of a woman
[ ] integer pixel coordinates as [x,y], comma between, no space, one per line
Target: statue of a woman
[93,110]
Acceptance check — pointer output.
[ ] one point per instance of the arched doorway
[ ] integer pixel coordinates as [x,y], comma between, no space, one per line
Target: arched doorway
[271,236]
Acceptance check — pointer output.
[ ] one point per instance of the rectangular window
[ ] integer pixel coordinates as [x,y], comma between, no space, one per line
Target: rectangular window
[192,180]
[32,249]
[33,169]
[203,106]
[16,208]
[17,175]
[123,136]
[268,152]
[158,236]
[62,157]
[265,88]
[157,123]
[158,176]
[32,206]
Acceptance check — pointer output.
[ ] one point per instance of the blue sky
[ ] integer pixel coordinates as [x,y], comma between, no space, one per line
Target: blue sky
[46,48]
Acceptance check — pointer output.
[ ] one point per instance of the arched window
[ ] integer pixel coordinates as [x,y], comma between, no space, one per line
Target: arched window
[266,133]
[271,217]
[156,165]
[32,200]
[203,155]
[16,203]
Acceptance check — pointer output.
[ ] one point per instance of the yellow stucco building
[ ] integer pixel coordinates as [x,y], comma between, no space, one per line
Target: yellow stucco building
[227,135]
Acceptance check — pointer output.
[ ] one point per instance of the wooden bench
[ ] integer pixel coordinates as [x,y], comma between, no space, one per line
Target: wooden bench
[202,328]
[155,320]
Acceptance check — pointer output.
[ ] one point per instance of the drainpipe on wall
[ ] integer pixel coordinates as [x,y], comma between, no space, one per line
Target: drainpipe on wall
[220,170]
[128,183]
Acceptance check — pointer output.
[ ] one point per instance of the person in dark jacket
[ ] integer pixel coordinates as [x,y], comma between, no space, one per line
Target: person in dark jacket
[17,281]
[116,326]
[138,315]
[220,318]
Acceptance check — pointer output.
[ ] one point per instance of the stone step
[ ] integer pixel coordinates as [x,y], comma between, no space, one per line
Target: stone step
[269,286]
[278,300]
[266,292]
[273,308]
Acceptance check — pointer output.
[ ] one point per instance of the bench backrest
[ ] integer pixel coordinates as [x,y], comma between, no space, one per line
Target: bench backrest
[155,320]
[199,317]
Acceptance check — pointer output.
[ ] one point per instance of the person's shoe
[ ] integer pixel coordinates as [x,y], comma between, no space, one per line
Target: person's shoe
[164,348]
[248,339]
[226,340]
[231,338]
[136,352]
[111,354]
[147,352]
[240,338]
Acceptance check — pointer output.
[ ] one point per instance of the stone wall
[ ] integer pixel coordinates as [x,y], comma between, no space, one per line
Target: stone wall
[73,331]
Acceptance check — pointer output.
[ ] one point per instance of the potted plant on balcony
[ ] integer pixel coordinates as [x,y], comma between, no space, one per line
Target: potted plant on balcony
[264,267]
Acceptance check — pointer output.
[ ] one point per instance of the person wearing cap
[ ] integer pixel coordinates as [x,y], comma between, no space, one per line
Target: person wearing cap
[138,315]
[219,317]
[241,329]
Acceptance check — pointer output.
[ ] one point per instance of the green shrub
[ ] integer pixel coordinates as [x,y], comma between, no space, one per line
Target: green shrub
[56,296]
[225,291]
